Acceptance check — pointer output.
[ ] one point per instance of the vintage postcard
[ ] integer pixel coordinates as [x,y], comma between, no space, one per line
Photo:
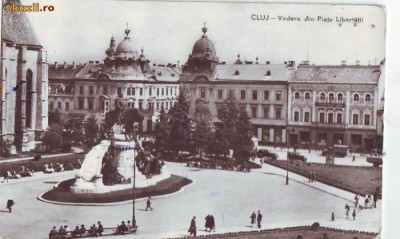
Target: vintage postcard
[221,120]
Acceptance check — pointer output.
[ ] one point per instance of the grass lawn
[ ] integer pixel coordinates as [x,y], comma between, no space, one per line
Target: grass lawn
[292,233]
[38,165]
[361,180]
[167,186]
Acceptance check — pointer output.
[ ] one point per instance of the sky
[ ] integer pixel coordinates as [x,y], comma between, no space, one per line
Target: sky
[79,31]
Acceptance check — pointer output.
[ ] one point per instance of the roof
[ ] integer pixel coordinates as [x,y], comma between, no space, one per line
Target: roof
[253,72]
[336,74]
[17,28]
[91,71]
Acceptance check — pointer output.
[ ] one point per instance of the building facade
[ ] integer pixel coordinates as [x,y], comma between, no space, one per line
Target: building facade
[24,83]
[92,89]
[334,105]
[259,88]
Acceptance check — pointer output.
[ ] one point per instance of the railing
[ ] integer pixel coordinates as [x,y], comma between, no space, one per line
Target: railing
[330,125]
[330,104]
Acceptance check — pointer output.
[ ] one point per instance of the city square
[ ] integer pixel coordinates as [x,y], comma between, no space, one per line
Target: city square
[210,128]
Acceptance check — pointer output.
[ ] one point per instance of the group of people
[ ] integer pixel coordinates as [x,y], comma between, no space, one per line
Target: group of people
[369,201]
[57,167]
[65,231]
[17,174]
[254,217]
[210,223]
[125,228]
[312,176]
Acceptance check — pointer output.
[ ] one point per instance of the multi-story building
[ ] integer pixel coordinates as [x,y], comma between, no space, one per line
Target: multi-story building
[260,88]
[92,89]
[334,105]
[24,83]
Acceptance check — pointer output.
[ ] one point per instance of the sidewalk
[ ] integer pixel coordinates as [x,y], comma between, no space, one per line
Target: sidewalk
[75,150]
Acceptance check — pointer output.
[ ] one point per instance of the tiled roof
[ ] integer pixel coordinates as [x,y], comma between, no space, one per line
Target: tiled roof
[336,74]
[253,72]
[17,28]
[61,73]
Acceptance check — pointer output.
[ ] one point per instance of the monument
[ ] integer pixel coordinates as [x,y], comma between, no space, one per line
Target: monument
[109,166]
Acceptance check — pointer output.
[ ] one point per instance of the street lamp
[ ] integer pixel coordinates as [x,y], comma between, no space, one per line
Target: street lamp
[287,154]
[134,186]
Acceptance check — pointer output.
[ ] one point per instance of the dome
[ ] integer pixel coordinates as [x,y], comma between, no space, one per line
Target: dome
[126,48]
[204,47]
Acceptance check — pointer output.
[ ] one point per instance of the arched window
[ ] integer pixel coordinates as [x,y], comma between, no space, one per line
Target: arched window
[322,96]
[297,96]
[307,96]
[340,97]
[331,97]
[368,98]
[356,98]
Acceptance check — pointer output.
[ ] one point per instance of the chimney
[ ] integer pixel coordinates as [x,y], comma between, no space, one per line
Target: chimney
[73,65]
[343,63]
[55,65]
[97,62]
[357,62]
[65,65]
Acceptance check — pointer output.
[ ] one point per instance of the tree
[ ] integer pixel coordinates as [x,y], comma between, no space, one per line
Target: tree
[161,138]
[52,137]
[235,127]
[179,124]
[58,118]
[202,129]
[91,130]
[217,144]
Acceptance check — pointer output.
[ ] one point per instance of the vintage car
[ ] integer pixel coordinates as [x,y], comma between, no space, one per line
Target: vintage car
[263,153]
[338,150]
[376,160]
[296,156]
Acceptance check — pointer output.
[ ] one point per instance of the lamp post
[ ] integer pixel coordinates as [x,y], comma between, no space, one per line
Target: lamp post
[287,154]
[134,188]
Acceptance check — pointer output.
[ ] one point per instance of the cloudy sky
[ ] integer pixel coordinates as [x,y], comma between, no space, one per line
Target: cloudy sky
[80,30]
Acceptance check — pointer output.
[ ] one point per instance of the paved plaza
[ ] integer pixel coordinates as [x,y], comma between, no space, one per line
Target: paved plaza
[230,196]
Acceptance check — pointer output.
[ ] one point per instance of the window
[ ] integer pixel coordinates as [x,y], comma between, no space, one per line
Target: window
[141,91]
[133,91]
[105,90]
[90,104]
[306,116]
[340,97]
[150,91]
[278,95]
[202,93]
[296,116]
[355,118]
[66,106]
[254,112]
[339,118]
[330,118]
[187,93]
[266,110]
[322,117]
[243,94]
[119,91]
[278,113]
[81,89]
[162,91]
[91,90]
[297,96]
[322,97]
[80,104]
[254,95]
[219,94]
[51,105]
[59,105]
[367,98]
[158,91]
[367,119]
[129,91]
[307,96]
[331,97]
[266,94]
[356,98]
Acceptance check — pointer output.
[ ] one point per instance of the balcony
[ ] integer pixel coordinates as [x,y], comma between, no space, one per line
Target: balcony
[329,125]
[330,104]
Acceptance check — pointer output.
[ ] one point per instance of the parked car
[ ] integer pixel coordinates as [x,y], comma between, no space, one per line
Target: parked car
[376,160]
[263,153]
[338,150]
[296,156]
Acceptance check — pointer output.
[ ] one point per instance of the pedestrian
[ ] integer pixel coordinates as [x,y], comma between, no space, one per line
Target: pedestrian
[148,203]
[61,233]
[192,228]
[75,232]
[259,219]
[6,176]
[53,233]
[366,202]
[333,217]
[309,176]
[100,228]
[375,198]
[82,230]
[356,198]
[354,214]
[314,177]
[347,208]
[261,161]
[208,223]
[212,222]
[10,203]
[253,217]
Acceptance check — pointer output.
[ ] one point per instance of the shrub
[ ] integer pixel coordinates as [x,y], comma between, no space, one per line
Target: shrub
[37,157]
[325,236]
[315,226]
[299,237]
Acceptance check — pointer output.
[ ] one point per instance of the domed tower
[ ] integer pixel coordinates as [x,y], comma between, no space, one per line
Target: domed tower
[203,58]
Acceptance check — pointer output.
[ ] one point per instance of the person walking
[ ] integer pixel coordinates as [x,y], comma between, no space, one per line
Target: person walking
[333,217]
[148,203]
[6,176]
[354,214]
[10,203]
[309,176]
[354,158]
[347,208]
[208,223]
[192,228]
[314,177]
[259,219]
[376,194]
[253,217]
[356,198]
[212,222]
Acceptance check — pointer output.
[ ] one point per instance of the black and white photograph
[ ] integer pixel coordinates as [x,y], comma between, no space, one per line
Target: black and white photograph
[170,119]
